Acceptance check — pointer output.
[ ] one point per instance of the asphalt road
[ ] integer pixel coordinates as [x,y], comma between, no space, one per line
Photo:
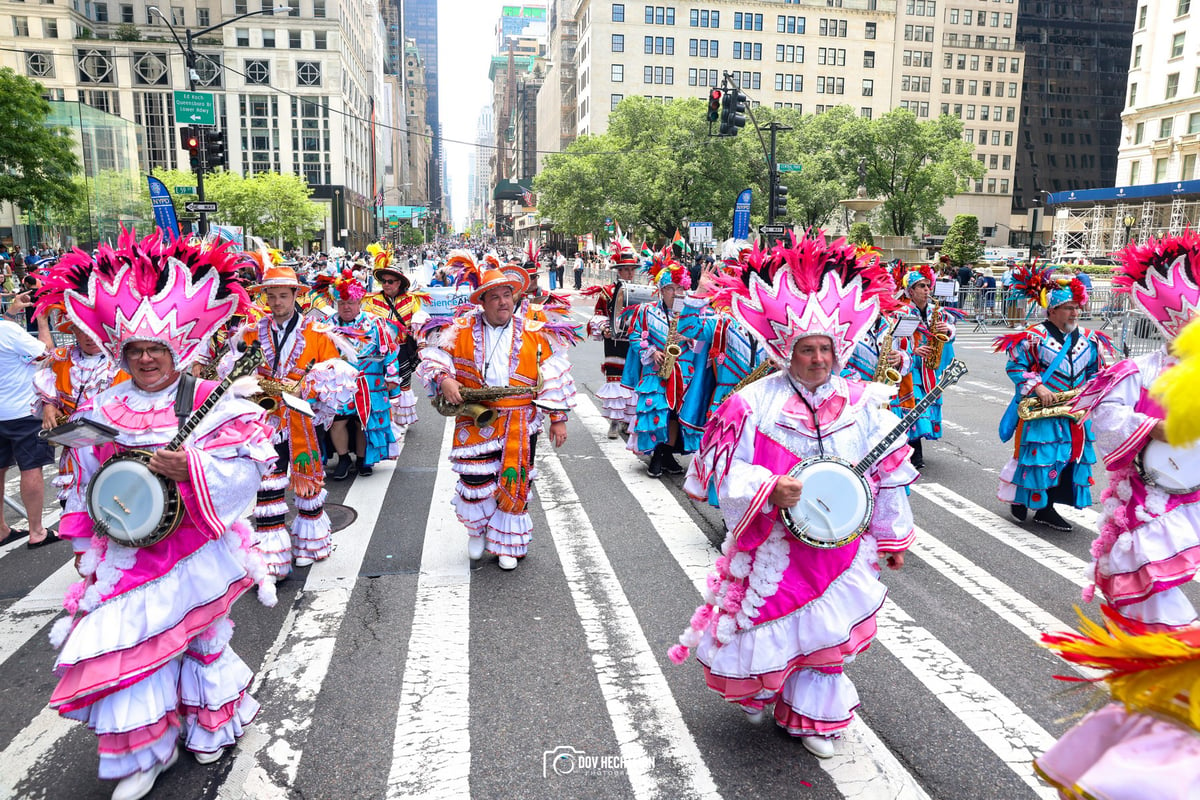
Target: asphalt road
[400,669]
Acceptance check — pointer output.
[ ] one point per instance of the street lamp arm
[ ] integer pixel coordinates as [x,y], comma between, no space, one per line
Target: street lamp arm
[170,27]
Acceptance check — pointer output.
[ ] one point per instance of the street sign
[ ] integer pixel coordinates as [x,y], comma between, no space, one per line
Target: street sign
[198,207]
[789,167]
[185,190]
[700,232]
[773,230]
[195,108]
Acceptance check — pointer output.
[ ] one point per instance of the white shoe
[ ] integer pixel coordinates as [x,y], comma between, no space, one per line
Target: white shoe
[508,562]
[139,784]
[209,758]
[753,715]
[614,429]
[475,546]
[819,746]
[304,562]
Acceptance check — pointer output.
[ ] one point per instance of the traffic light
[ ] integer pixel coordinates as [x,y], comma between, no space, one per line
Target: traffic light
[733,112]
[214,149]
[714,105]
[779,195]
[192,143]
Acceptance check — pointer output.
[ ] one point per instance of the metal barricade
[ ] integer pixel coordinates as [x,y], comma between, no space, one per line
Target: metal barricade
[1135,334]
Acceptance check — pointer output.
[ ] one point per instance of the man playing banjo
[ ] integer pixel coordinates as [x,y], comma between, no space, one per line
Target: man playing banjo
[144,659]
[1148,547]
[787,607]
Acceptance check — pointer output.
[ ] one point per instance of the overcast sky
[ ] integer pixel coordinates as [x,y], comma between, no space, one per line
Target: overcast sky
[466,42]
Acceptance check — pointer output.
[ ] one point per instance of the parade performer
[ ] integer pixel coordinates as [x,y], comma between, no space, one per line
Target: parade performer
[1143,745]
[145,660]
[377,388]
[617,403]
[490,348]
[1051,362]
[396,306]
[932,348]
[303,358]
[1148,547]
[782,617]
[660,370]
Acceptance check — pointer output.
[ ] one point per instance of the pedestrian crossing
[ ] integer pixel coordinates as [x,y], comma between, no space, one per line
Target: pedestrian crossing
[398,668]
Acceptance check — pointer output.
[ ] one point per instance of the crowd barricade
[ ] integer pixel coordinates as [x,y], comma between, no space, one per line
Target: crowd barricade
[987,308]
[1134,335]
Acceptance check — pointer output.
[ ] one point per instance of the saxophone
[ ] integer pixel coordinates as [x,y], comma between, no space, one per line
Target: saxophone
[473,400]
[671,350]
[885,373]
[936,340]
[759,372]
[1058,406]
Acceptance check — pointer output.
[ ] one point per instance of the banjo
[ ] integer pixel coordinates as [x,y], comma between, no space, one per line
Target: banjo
[835,501]
[1174,470]
[136,507]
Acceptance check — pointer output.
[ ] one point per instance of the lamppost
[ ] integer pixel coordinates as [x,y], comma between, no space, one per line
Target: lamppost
[337,228]
[189,59]
[1129,221]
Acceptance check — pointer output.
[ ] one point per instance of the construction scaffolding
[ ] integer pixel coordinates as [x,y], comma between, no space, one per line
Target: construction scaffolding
[1096,223]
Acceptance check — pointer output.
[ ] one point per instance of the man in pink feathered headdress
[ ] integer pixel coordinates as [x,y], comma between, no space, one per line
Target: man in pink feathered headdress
[1148,548]
[783,615]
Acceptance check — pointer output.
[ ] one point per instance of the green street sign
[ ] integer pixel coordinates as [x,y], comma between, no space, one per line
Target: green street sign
[185,190]
[788,167]
[195,108]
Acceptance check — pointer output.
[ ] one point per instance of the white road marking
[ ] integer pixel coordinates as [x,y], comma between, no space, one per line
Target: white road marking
[1053,558]
[26,752]
[24,618]
[431,754]
[863,767]
[660,756]
[295,668]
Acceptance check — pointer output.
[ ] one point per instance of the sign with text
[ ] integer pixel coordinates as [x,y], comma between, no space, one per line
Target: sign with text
[700,232]
[741,215]
[195,108]
[445,300]
[163,207]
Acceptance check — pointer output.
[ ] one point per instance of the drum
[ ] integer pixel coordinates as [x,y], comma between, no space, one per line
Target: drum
[132,505]
[1174,470]
[835,503]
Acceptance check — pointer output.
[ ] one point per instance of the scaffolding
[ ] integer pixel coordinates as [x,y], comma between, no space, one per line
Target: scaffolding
[1098,231]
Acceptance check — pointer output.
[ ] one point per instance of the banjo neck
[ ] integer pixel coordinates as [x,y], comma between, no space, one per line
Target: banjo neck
[246,364]
[955,370]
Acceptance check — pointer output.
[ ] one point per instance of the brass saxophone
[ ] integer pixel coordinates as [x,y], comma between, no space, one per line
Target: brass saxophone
[885,373]
[671,350]
[1059,406]
[270,390]
[473,400]
[758,373]
[936,340]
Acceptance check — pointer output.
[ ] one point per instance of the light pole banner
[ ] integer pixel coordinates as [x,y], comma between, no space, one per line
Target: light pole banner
[741,216]
[164,209]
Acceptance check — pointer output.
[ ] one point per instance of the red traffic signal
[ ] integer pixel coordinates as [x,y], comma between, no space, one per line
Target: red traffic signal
[714,105]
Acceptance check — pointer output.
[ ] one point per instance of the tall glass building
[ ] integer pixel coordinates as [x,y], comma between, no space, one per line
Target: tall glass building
[421,24]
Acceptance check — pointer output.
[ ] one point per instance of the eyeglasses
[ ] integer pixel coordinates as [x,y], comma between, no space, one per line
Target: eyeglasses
[153,350]
[389,280]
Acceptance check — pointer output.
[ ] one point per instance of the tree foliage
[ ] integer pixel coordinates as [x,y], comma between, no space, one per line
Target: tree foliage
[962,244]
[37,161]
[860,234]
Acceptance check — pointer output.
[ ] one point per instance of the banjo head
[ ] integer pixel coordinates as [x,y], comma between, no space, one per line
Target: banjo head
[1174,470]
[835,503]
[129,503]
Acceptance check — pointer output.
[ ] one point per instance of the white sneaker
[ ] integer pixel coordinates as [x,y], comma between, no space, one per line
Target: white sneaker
[508,562]
[304,561]
[753,715]
[139,784]
[475,546]
[819,746]
[209,758]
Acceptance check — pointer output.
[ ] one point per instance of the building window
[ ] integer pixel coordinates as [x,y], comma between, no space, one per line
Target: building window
[95,66]
[869,59]
[614,101]
[1141,17]
[870,33]
[1183,7]
[789,24]
[1164,127]
[1135,169]
[308,73]
[617,75]
[1139,133]
[701,18]
[258,71]
[101,12]
[868,87]
[294,40]
[1177,45]
[618,43]
[50,28]
[1132,95]
[202,17]
[268,38]
[1194,122]
[21,26]
[149,69]
[1172,85]
[208,70]
[319,9]
[864,112]
[41,65]
[1160,170]
[1137,56]
[319,40]
[127,14]
[618,12]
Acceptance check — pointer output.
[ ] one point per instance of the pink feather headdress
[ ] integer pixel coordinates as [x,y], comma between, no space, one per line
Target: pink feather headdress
[1163,276]
[532,252]
[347,287]
[734,278]
[175,293]
[818,288]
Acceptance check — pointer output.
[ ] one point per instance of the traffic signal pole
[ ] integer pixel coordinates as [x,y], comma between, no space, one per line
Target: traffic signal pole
[773,181]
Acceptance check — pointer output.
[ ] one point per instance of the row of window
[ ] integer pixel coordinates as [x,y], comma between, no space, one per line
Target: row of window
[983,88]
[1177,44]
[1166,126]
[1182,7]
[125,12]
[295,39]
[986,114]
[1171,90]
[1188,170]
[961,61]
[746,21]
[981,18]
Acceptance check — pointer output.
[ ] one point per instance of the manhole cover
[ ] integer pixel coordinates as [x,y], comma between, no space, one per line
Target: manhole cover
[340,517]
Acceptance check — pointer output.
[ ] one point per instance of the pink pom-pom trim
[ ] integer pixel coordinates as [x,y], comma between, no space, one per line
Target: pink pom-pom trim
[678,654]
[701,618]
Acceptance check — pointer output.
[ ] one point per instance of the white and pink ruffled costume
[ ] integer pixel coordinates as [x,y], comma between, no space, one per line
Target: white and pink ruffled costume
[147,650]
[788,616]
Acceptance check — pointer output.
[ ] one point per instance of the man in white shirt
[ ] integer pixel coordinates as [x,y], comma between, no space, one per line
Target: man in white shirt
[19,428]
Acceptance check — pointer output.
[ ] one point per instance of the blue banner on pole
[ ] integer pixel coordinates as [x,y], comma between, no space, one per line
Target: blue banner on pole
[164,209]
[741,216]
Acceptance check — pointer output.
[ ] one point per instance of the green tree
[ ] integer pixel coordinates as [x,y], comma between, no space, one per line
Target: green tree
[410,236]
[815,144]
[915,166]
[962,244]
[285,212]
[37,161]
[860,234]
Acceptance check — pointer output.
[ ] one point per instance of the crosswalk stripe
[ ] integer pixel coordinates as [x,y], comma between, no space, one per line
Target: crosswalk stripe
[24,618]
[640,704]
[431,755]
[1053,558]
[28,749]
[863,766]
[290,679]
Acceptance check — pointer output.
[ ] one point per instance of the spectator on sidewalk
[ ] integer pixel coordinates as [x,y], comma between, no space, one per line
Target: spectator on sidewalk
[1084,278]
[19,428]
[578,271]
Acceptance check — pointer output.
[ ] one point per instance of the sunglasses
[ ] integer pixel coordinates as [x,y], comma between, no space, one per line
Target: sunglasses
[389,280]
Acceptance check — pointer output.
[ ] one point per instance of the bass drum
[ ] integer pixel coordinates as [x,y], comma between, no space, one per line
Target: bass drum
[835,503]
[132,505]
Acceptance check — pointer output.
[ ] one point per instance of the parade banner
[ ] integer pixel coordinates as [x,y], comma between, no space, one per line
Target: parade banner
[445,300]
[741,216]
[164,209]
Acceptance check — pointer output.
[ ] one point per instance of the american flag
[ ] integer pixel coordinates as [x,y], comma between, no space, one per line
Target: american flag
[527,198]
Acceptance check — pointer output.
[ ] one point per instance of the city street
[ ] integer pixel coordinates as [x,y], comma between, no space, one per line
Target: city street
[399,669]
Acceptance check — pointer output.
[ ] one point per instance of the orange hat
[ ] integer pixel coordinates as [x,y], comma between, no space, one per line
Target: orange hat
[494,279]
[279,276]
